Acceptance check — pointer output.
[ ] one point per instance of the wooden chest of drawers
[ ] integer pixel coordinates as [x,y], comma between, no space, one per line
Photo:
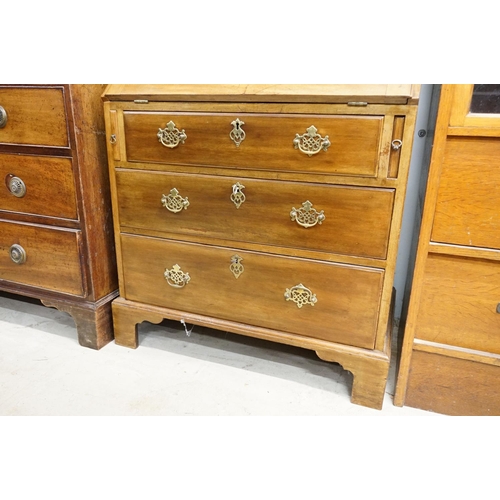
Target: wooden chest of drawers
[269,211]
[450,360]
[56,237]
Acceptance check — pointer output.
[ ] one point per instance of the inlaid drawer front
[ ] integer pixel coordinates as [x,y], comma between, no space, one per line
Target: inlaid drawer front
[322,300]
[334,219]
[38,185]
[33,117]
[460,303]
[343,144]
[40,256]
[467,208]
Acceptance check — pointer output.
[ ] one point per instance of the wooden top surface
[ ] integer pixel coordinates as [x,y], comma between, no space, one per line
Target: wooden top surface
[335,93]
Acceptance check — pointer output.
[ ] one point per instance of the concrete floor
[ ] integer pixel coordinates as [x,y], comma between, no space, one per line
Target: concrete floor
[44,371]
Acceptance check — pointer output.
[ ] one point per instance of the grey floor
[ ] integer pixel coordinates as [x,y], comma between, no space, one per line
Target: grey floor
[44,371]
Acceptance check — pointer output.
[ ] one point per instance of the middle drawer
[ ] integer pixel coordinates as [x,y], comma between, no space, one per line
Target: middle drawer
[39,185]
[335,219]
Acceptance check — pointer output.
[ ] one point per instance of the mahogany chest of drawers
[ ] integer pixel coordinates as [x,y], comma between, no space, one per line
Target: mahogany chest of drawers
[268,211]
[56,237]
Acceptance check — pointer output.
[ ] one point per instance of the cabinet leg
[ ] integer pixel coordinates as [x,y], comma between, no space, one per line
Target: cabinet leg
[369,373]
[94,322]
[126,317]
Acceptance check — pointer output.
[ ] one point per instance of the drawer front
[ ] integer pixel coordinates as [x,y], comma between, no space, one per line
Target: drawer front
[453,386]
[38,185]
[356,220]
[459,303]
[51,257]
[250,288]
[34,117]
[467,209]
[268,143]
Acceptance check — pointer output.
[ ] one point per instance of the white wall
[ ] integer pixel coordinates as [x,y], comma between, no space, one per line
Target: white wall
[417,168]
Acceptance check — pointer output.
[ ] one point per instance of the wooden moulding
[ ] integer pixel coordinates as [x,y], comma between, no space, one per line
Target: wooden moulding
[369,368]
[340,93]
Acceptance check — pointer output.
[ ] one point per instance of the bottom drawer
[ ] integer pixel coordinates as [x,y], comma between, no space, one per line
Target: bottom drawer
[250,287]
[453,386]
[51,257]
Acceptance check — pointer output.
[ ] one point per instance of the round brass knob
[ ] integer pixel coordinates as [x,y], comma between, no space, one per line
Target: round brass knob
[16,186]
[3,117]
[17,254]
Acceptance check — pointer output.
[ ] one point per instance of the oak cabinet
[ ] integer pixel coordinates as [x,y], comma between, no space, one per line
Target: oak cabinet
[450,359]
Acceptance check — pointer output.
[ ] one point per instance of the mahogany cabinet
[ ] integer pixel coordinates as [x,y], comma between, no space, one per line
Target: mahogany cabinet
[267,211]
[56,236]
[450,359]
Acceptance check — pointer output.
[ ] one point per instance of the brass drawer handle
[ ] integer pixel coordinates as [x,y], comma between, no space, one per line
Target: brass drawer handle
[170,136]
[301,295]
[176,277]
[174,202]
[17,254]
[237,135]
[112,139]
[3,117]
[396,144]
[16,186]
[238,197]
[307,216]
[311,143]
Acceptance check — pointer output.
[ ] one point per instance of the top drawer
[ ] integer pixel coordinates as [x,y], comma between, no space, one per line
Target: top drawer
[34,116]
[346,145]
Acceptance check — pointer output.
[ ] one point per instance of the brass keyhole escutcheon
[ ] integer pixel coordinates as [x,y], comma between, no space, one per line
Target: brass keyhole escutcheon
[237,135]
[236,266]
[237,196]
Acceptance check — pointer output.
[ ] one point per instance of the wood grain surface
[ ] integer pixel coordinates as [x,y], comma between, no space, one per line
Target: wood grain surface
[357,220]
[35,116]
[268,144]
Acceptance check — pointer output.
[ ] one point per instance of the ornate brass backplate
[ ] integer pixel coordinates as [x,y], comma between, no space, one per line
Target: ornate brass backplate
[311,142]
[170,136]
[236,266]
[176,277]
[307,216]
[174,202]
[237,135]
[238,197]
[301,295]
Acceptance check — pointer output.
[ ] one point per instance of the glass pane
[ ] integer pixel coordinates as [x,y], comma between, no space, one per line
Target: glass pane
[485,98]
